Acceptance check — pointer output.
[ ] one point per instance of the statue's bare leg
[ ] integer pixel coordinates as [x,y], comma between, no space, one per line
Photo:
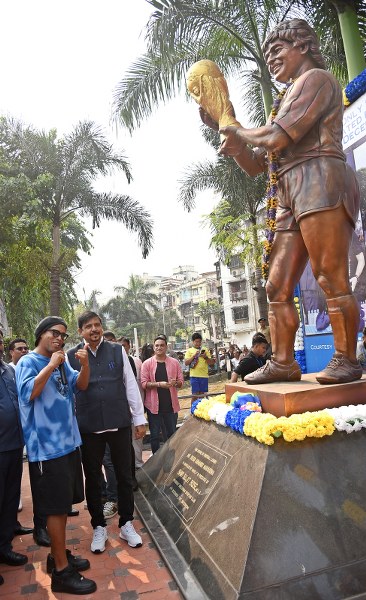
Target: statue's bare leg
[288,260]
[327,236]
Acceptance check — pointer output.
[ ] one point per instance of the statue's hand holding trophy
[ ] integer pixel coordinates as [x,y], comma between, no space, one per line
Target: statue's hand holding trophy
[207,86]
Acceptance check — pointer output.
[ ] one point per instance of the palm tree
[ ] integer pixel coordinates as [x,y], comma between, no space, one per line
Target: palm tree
[230,33]
[139,298]
[62,172]
[234,221]
[134,306]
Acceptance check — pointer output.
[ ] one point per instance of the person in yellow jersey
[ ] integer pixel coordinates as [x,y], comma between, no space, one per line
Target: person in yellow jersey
[198,358]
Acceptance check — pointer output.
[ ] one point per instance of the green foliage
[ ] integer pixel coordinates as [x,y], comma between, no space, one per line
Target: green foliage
[137,306]
[45,183]
[205,310]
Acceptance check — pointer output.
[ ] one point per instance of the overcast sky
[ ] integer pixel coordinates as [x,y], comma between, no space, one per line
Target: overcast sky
[61,62]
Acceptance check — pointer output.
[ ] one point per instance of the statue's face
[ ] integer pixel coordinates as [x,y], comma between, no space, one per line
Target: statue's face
[284,60]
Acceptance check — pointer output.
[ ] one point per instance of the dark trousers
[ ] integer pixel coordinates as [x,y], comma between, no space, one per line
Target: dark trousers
[11,468]
[92,452]
[109,488]
[164,422]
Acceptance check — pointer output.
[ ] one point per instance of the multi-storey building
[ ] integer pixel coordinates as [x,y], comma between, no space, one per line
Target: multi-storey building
[190,294]
[239,314]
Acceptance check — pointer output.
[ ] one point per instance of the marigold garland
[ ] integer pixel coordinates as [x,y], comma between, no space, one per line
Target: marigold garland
[243,415]
[272,189]
[265,427]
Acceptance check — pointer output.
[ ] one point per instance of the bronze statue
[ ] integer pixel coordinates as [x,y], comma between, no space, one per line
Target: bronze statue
[318,200]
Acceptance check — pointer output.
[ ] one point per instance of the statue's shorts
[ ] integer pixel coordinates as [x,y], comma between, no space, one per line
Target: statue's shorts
[316,185]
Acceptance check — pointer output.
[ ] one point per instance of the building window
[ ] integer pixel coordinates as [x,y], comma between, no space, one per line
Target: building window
[240,313]
[235,262]
[238,290]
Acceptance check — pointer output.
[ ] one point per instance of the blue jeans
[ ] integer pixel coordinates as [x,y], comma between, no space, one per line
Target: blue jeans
[164,422]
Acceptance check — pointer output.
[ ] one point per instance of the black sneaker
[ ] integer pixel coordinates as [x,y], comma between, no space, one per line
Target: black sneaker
[79,564]
[71,582]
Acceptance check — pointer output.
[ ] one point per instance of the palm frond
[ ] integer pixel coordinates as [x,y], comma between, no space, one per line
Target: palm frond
[123,209]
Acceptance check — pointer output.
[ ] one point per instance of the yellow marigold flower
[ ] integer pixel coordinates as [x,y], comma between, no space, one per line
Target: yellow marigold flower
[346,102]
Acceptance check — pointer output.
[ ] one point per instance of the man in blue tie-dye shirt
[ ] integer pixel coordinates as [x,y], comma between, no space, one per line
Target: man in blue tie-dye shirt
[46,386]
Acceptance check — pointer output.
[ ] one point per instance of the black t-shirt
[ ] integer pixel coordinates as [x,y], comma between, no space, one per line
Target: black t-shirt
[165,399]
[249,364]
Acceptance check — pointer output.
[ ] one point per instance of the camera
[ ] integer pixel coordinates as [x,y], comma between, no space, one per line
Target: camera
[203,351]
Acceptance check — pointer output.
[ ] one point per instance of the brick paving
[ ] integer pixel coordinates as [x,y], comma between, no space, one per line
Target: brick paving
[120,572]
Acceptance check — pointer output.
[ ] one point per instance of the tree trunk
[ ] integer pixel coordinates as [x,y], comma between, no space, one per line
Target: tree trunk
[266,91]
[261,293]
[3,319]
[55,286]
[352,42]
[260,290]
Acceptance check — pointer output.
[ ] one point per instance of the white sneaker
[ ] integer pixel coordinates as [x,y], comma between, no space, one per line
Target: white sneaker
[109,510]
[129,534]
[100,537]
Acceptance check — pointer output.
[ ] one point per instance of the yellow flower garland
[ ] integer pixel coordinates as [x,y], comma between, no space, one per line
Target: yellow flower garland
[265,427]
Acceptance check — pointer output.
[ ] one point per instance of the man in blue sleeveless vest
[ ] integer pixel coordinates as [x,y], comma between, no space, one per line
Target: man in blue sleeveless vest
[104,415]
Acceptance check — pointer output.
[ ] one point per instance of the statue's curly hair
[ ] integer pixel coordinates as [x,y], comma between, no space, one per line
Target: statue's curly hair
[297,32]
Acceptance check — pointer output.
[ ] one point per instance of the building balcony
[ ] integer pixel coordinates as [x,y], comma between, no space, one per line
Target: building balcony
[237,296]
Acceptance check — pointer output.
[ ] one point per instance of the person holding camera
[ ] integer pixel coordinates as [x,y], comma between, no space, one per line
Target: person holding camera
[198,358]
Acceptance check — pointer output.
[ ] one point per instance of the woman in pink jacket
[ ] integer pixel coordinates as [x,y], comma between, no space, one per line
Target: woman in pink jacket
[161,375]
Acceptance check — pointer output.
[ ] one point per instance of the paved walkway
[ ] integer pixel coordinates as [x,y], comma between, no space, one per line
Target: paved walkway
[121,572]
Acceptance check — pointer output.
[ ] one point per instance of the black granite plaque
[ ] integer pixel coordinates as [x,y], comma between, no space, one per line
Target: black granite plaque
[193,478]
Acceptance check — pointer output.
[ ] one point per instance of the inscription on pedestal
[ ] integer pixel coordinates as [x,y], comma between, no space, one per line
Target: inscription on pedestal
[194,477]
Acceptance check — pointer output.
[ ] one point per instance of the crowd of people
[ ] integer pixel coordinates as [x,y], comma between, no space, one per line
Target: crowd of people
[80,412]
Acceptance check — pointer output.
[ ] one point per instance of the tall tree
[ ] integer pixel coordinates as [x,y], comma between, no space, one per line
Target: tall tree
[60,173]
[134,306]
[139,297]
[234,221]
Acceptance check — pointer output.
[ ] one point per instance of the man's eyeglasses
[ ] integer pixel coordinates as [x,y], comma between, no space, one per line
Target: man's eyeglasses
[57,334]
[22,348]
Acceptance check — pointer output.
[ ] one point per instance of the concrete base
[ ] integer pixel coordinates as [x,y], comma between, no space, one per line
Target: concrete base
[285,399]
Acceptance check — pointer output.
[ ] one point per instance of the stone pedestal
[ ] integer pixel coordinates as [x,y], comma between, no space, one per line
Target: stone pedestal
[285,399]
[235,519]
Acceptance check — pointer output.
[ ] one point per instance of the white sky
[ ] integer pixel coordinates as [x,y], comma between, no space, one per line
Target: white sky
[61,62]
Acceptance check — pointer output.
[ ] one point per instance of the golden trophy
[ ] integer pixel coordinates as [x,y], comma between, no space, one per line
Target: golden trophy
[207,85]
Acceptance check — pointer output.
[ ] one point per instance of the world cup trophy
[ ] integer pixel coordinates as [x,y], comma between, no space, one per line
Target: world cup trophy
[207,86]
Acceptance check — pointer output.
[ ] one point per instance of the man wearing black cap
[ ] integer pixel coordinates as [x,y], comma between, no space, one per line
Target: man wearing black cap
[264,329]
[46,384]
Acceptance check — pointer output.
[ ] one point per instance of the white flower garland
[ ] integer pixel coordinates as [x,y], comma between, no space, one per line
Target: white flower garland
[349,418]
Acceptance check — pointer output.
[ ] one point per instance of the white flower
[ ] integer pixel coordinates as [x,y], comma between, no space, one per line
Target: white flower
[218,412]
[349,418]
